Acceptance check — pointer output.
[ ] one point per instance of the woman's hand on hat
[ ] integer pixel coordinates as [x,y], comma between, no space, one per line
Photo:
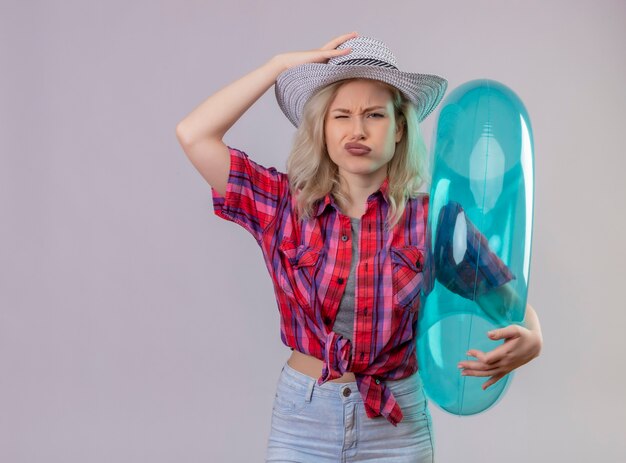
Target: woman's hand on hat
[320,55]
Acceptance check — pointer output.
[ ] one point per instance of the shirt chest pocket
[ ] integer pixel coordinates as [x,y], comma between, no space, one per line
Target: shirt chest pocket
[407,264]
[298,273]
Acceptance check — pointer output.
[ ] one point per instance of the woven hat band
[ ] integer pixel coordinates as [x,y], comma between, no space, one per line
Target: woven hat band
[367,62]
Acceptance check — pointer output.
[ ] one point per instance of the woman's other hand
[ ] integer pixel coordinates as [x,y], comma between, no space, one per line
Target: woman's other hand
[521,345]
[321,55]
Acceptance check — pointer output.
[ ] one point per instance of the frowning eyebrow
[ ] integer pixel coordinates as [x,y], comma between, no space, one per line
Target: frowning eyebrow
[342,110]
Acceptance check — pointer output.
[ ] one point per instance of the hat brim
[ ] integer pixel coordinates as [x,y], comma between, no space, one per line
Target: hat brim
[295,86]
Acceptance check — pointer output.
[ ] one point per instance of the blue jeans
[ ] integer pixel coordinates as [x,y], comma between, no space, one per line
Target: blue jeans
[328,423]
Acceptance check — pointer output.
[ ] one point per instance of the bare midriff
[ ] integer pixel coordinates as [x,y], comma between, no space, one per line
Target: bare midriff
[312,367]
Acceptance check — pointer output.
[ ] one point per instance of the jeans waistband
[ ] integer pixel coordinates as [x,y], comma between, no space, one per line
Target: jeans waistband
[297,380]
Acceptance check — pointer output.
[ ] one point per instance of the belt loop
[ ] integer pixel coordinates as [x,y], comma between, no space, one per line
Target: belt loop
[309,392]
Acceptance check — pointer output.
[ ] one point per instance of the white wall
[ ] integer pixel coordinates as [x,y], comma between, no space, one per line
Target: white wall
[137,326]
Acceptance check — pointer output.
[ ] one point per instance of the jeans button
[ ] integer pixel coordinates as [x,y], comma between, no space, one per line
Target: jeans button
[346,392]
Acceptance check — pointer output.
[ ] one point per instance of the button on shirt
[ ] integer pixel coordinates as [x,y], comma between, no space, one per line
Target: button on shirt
[309,261]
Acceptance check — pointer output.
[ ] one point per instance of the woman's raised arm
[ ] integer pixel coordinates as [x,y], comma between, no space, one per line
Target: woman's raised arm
[201,132]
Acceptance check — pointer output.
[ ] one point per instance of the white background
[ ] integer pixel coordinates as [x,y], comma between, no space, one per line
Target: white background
[137,326]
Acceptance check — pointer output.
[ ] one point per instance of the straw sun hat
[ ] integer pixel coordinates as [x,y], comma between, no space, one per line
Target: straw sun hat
[369,59]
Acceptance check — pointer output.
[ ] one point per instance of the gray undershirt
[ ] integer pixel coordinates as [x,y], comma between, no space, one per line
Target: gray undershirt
[344,322]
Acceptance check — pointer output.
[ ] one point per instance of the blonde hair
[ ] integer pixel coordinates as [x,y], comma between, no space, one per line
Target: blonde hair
[312,174]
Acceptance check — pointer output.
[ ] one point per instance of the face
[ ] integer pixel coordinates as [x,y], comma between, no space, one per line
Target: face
[362,114]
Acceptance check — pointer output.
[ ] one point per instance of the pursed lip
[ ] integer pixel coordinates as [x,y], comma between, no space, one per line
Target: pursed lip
[357,148]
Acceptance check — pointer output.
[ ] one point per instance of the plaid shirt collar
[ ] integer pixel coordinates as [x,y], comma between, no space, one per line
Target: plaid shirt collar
[329,199]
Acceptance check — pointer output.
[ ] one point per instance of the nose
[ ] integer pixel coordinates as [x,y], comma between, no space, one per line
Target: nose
[358,128]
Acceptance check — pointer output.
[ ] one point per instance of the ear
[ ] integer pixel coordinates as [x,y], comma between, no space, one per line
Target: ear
[400,123]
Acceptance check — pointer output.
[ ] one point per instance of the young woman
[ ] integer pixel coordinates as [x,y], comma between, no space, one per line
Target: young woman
[343,237]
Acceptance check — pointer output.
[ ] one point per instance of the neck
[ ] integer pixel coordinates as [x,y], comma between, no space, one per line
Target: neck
[359,188]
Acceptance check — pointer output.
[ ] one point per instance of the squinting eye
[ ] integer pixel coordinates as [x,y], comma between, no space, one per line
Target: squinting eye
[377,115]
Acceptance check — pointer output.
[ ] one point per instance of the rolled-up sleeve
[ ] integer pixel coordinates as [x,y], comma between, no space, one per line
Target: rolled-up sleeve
[252,194]
[462,260]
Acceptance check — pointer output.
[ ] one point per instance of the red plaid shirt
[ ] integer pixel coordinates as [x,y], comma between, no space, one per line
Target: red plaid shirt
[309,263]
